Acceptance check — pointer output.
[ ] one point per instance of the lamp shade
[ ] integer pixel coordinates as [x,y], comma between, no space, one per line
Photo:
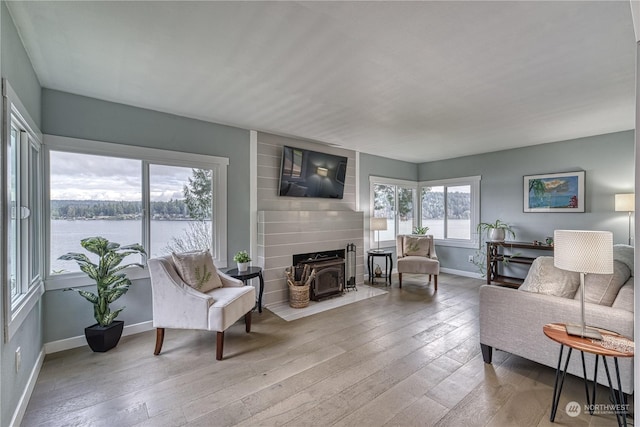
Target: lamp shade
[378,224]
[625,202]
[322,171]
[583,251]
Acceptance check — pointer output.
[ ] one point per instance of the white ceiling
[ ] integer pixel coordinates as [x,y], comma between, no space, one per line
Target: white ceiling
[416,81]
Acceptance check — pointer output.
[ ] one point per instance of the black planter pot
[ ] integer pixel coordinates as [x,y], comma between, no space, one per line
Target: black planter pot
[104,338]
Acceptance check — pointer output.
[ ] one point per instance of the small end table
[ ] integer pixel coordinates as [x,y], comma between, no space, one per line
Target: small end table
[388,264]
[245,276]
[558,333]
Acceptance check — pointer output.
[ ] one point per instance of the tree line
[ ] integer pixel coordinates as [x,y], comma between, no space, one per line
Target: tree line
[459,204]
[112,209]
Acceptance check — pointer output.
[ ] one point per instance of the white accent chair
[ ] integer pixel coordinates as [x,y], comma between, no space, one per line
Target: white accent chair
[426,262]
[179,306]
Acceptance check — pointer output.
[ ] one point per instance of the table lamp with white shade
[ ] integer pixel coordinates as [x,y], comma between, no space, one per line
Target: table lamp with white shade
[585,252]
[378,225]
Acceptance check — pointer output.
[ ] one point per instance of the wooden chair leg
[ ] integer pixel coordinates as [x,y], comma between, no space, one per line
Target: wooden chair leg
[400,279]
[219,344]
[247,321]
[435,281]
[159,340]
[430,278]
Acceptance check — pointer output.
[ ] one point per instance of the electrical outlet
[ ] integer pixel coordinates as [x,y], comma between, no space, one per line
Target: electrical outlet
[470,258]
[18,359]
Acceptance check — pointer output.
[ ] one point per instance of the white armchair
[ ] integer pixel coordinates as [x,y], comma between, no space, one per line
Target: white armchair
[417,255]
[179,306]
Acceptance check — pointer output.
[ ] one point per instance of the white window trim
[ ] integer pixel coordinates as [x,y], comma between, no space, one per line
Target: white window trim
[219,166]
[474,181]
[399,183]
[15,315]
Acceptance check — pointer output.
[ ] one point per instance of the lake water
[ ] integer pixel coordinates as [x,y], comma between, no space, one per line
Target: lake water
[66,236]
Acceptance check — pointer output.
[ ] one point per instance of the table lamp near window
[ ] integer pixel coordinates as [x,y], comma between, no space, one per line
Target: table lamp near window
[378,225]
[585,252]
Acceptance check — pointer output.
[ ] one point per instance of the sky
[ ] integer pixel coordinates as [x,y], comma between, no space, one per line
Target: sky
[76,176]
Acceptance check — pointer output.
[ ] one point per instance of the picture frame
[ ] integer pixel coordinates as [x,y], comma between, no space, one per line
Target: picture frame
[554,192]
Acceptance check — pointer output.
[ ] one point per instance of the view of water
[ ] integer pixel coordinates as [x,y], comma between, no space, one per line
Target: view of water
[66,236]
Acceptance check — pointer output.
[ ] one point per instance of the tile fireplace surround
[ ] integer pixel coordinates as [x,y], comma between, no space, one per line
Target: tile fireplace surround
[281,234]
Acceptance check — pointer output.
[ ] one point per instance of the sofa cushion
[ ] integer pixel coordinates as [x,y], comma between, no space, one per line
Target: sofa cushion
[624,254]
[624,300]
[416,246]
[545,278]
[197,270]
[603,288]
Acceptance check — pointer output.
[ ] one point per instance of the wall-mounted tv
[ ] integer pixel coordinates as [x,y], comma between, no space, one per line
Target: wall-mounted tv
[306,173]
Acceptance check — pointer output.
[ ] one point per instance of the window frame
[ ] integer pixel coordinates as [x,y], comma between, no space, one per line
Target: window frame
[377,180]
[146,156]
[474,183]
[29,194]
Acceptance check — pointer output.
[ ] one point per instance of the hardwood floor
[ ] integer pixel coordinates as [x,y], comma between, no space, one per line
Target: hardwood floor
[405,358]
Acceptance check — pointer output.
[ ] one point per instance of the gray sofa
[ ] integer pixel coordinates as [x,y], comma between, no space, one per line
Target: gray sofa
[511,320]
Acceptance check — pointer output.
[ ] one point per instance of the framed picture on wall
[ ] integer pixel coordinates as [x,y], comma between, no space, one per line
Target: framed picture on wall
[554,192]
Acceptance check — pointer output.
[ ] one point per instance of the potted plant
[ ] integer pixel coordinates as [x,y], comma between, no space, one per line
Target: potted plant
[496,231]
[420,230]
[111,284]
[243,259]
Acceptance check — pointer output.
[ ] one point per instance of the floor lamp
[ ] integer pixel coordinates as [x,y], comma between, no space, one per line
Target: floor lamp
[585,252]
[626,203]
[378,225]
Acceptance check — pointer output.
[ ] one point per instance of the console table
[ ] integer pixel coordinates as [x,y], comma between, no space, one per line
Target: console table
[496,255]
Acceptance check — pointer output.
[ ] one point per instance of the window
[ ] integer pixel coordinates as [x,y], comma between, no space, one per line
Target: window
[22,211]
[167,201]
[451,209]
[396,201]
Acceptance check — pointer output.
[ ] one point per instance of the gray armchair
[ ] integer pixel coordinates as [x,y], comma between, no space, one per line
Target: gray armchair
[417,255]
[179,306]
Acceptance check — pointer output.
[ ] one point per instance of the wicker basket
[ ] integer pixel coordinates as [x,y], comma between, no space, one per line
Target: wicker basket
[298,296]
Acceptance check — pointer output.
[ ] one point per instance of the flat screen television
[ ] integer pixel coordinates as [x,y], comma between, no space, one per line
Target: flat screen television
[306,173]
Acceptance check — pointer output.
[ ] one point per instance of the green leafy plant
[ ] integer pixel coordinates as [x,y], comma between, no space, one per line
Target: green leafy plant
[420,230]
[111,283]
[241,256]
[485,227]
[480,256]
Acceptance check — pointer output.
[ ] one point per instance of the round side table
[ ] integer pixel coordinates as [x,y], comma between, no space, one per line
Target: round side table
[388,264]
[558,333]
[245,276]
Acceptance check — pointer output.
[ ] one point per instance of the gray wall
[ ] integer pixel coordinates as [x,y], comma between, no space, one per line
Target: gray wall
[608,161]
[65,114]
[16,68]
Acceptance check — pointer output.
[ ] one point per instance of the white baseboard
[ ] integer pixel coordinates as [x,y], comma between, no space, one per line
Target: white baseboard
[16,420]
[462,273]
[79,341]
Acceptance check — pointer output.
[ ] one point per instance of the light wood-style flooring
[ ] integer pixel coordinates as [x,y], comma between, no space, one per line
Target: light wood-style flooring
[406,358]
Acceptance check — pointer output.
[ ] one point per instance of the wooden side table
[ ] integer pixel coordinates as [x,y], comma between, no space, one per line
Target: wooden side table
[557,332]
[247,275]
[388,266]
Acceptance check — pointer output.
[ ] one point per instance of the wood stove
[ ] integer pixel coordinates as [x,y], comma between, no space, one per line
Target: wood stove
[329,266]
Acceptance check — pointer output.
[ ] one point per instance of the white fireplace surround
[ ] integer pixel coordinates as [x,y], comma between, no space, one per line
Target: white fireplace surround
[281,234]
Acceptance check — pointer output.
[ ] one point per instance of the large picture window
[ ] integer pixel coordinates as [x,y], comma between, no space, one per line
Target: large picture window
[167,201]
[451,210]
[21,212]
[394,200]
